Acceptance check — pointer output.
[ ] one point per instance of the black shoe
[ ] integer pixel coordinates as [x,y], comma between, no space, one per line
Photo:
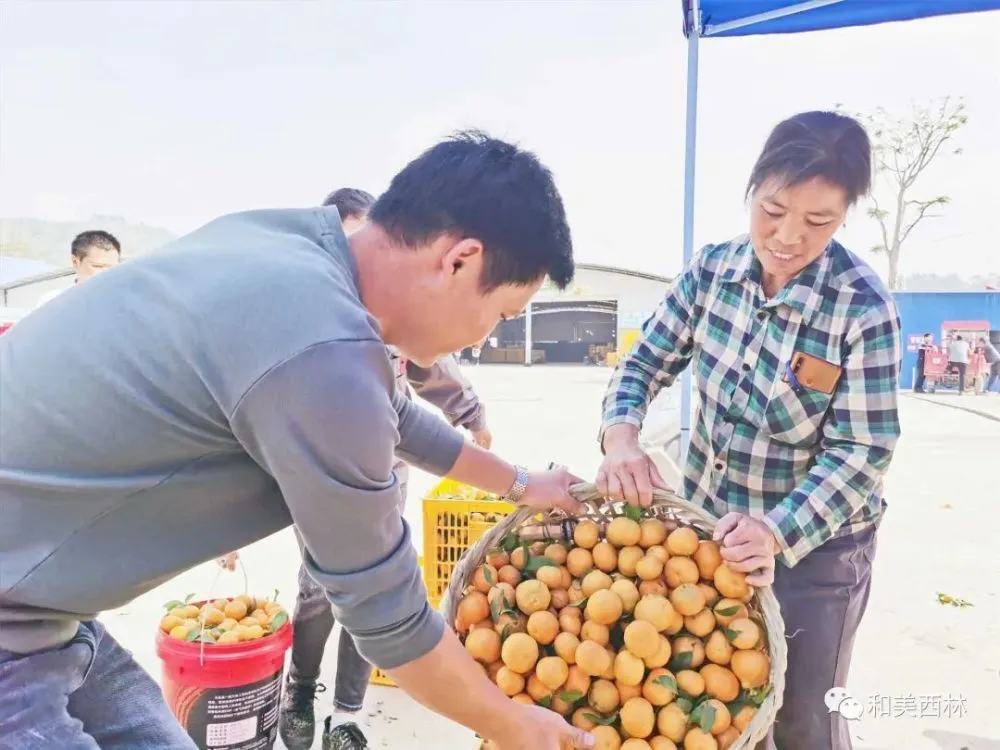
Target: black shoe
[344,737]
[296,718]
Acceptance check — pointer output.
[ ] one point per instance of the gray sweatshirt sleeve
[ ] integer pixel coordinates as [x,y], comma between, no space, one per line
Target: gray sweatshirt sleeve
[444,385]
[324,424]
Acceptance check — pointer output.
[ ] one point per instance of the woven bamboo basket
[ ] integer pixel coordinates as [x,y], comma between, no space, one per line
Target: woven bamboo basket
[557,526]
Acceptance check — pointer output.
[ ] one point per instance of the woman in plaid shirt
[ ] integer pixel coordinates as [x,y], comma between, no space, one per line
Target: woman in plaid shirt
[795,347]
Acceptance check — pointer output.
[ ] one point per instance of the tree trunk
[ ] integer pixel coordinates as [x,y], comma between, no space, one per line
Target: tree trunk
[894,269]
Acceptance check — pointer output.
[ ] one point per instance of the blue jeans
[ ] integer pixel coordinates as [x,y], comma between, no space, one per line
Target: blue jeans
[87,695]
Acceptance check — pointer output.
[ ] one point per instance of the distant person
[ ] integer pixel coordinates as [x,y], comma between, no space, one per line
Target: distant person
[926,345]
[958,359]
[993,361]
[91,252]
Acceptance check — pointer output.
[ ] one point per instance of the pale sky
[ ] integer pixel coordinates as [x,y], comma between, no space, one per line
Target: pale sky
[172,113]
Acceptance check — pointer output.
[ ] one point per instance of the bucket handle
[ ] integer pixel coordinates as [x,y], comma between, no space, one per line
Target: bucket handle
[201,617]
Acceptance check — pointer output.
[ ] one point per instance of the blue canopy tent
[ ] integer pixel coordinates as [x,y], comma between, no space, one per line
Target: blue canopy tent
[721,18]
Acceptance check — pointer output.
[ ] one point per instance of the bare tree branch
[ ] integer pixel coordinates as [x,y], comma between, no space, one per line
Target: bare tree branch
[903,148]
[922,208]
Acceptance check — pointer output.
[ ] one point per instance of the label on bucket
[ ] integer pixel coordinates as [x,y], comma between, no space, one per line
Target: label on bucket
[236,718]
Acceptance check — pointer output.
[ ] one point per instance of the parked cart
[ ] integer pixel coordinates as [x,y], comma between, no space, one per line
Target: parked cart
[937,372]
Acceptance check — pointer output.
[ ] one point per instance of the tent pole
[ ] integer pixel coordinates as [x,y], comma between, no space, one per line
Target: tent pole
[691,130]
[528,345]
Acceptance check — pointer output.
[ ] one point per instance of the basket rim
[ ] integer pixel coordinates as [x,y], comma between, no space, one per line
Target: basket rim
[596,505]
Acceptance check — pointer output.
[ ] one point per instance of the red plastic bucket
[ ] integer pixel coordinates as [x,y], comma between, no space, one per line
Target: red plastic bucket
[226,696]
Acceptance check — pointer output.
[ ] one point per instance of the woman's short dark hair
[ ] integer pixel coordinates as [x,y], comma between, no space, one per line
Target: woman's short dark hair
[827,145]
[350,202]
[475,186]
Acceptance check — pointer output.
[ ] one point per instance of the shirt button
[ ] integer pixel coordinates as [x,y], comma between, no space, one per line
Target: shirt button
[746,367]
[720,465]
[762,315]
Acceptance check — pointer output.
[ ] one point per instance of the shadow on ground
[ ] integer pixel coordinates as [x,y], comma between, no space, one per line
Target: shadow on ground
[956,741]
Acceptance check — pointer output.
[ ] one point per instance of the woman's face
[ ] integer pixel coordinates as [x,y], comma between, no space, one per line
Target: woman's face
[791,226]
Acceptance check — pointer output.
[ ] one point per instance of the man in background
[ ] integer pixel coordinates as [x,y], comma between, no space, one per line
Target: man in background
[444,386]
[91,253]
[958,359]
[927,345]
[993,360]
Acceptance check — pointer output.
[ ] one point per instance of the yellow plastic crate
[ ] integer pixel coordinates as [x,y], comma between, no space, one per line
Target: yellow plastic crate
[455,517]
[381,678]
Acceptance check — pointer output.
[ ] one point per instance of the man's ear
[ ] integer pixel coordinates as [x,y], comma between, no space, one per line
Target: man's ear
[463,255]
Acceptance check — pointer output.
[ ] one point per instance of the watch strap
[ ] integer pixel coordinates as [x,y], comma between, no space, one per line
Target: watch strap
[516,492]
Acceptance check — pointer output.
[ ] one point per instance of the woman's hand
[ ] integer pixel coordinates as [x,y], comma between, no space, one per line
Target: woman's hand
[627,472]
[748,546]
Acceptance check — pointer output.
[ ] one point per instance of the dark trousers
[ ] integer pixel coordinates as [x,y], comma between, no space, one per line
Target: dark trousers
[313,622]
[823,599]
[960,368]
[994,376]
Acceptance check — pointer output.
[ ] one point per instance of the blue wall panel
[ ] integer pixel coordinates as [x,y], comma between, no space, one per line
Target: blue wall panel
[922,312]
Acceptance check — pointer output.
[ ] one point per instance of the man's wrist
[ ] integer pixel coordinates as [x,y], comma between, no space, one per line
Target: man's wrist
[506,726]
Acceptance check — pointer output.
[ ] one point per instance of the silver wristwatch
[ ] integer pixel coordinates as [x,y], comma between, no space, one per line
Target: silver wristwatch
[516,492]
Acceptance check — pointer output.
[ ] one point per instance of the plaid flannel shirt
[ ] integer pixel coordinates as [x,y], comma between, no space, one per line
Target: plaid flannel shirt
[809,464]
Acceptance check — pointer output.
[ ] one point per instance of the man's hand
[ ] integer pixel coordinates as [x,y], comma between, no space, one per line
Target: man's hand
[229,561]
[483,437]
[748,546]
[541,729]
[627,473]
[550,489]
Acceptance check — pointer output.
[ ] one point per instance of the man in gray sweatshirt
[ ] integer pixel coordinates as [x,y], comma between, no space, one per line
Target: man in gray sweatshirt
[443,385]
[206,396]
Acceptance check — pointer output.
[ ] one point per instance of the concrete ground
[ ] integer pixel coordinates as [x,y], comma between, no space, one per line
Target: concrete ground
[933,669]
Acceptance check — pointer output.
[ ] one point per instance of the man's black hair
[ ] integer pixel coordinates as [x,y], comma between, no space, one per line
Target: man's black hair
[92,238]
[350,202]
[827,145]
[475,186]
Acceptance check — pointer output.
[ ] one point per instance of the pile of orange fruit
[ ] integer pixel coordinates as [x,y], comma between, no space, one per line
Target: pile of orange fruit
[644,637]
[222,621]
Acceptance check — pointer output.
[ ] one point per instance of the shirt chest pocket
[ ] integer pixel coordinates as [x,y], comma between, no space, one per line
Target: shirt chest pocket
[795,417]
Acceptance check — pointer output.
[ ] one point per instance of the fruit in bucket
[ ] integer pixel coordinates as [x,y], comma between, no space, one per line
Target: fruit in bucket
[223,621]
[635,630]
